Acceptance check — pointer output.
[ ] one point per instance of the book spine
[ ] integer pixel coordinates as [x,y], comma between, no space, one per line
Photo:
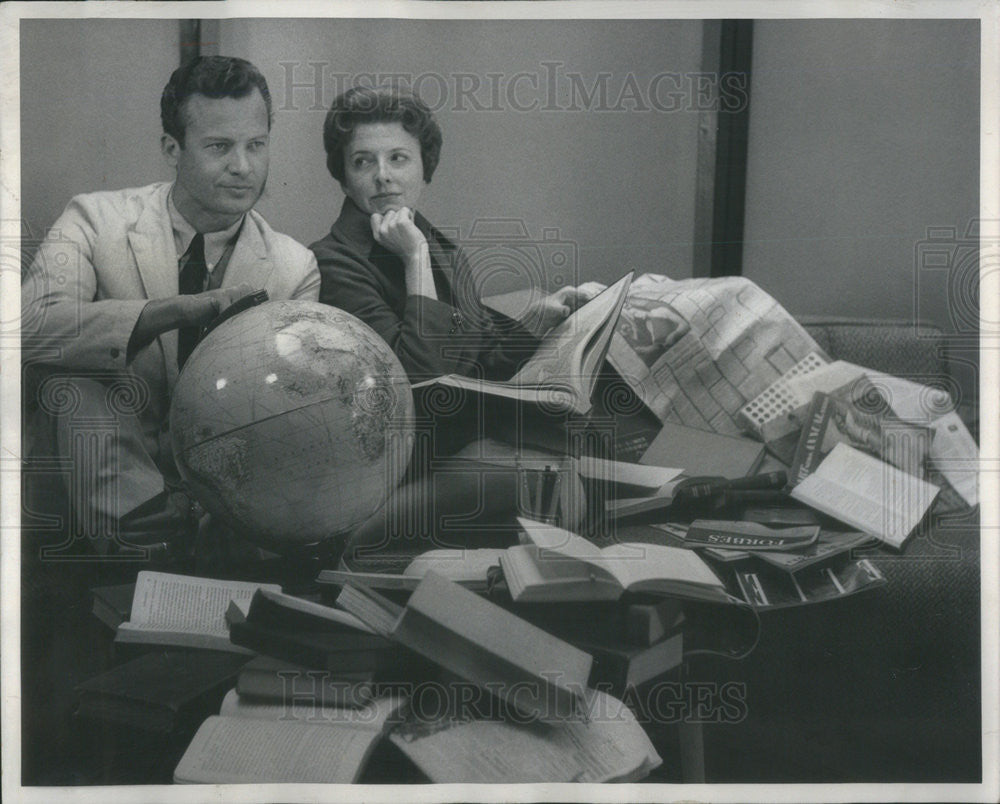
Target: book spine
[300,649]
[624,669]
[646,624]
[319,686]
[272,613]
[545,696]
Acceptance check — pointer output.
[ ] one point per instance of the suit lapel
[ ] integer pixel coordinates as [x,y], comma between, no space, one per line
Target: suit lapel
[249,261]
[152,243]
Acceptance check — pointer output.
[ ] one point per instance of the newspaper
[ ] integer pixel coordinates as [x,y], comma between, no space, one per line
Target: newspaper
[697,350]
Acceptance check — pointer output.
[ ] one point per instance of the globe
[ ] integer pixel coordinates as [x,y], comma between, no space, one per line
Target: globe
[292,421]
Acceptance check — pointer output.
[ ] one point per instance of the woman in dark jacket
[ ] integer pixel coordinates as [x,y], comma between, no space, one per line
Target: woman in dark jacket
[384,263]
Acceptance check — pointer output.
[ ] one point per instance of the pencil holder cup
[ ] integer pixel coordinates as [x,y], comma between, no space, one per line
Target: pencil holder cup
[550,491]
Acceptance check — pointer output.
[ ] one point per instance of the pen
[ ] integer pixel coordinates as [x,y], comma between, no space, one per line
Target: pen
[553,511]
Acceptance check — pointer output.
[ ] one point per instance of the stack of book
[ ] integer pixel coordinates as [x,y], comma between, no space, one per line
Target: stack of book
[278,724]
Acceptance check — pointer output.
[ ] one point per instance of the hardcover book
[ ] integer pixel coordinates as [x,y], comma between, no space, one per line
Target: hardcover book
[158,691]
[700,452]
[266,679]
[475,639]
[558,566]
[562,373]
[338,651]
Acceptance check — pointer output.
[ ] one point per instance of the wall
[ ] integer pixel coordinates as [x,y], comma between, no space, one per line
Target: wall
[617,184]
[862,135]
[90,109]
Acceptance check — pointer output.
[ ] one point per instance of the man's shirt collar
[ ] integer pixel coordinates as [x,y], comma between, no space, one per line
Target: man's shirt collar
[184,232]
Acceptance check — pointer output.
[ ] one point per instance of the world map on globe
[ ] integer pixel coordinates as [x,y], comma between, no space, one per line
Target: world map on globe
[292,421]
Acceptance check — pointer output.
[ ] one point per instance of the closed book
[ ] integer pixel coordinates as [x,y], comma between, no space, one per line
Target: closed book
[159,691]
[535,672]
[638,623]
[621,666]
[340,652]
[112,604]
[648,623]
[268,679]
[700,452]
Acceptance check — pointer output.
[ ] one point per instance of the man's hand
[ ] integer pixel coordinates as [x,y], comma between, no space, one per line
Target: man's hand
[200,309]
[194,310]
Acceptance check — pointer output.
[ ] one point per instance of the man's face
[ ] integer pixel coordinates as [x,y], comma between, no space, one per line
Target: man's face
[222,166]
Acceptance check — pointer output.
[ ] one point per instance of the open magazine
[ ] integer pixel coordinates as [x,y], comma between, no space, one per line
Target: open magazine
[562,373]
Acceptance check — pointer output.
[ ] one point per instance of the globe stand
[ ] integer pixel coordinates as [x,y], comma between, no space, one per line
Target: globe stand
[300,565]
[221,552]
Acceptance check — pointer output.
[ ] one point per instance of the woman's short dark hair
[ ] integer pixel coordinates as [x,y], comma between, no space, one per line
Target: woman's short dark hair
[213,77]
[360,105]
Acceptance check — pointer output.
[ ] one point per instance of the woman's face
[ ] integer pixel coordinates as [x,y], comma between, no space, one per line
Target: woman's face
[383,168]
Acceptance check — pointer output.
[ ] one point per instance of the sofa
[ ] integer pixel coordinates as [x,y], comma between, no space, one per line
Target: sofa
[884,686]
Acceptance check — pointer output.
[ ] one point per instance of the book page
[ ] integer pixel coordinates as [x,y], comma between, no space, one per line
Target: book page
[630,474]
[379,613]
[299,604]
[372,717]
[467,567]
[954,452]
[561,354]
[645,563]
[535,574]
[233,750]
[867,493]
[605,744]
[181,603]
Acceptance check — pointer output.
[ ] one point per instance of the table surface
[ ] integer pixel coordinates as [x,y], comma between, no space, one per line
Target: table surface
[881,687]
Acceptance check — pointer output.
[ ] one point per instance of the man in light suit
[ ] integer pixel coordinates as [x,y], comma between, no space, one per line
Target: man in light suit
[120,289]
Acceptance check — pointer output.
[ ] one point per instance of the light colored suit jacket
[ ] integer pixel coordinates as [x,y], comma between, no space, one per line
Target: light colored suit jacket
[106,256]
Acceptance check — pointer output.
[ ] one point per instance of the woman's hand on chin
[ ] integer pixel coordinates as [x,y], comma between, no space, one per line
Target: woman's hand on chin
[396,231]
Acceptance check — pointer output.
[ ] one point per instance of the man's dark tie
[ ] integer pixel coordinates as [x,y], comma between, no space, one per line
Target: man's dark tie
[192,280]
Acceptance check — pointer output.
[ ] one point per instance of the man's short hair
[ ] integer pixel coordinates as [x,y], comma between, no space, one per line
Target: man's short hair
[213,77]
[360,105]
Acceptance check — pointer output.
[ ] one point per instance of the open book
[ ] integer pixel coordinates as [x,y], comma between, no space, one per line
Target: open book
[182,610]
[863,469]
[556,565]
[562,373]
[247,742]
[604,743]
[468,568]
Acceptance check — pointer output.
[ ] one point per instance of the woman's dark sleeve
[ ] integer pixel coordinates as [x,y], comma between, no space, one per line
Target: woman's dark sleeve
[430,338]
